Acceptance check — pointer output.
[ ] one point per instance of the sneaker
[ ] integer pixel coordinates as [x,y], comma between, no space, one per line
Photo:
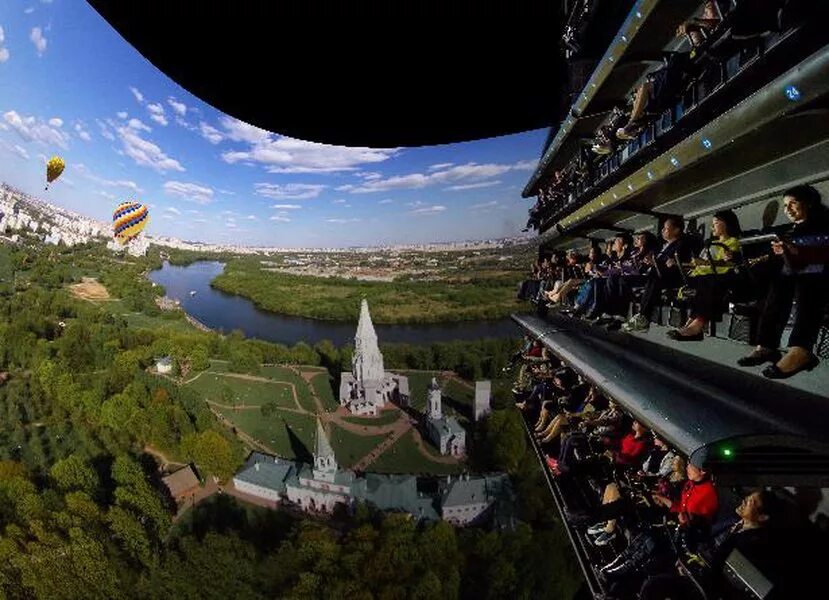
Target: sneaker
[605,538]
[601,149]
[597,529]
[637,323]
[627,133]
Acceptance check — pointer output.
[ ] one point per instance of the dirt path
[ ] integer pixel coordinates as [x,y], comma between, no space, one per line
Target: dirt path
[162,458]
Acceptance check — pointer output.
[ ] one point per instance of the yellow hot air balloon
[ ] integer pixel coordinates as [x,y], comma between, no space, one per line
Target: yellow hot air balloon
[54,167]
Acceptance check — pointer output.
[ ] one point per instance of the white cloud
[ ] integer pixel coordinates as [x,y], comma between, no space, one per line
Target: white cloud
[138,95]
[173,210]
[386,201]
[429,210]
[34,129]
[122,114]
[138,125]
[472,186]
[82,133]
[211,134]
[106,195]
[252,218]
[4,55]
[123,183]
[29,10]
[227,192]
[484,205]
[338,201]
[2,35]
[105,132]
[189,191]
[20,151]
[146,153]
[287,206]
[341,220]
[157,114]
[440,166]
[280,219]
[56,122]
[178,107]
[280,154]
[38,40]
[289,191]
[457,174]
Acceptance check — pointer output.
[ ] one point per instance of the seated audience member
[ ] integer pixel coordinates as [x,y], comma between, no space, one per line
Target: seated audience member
[698,502]
[622,261]
[798,278]
[712,276]
[602,423]
[549,427]
[572,274]
[664,271]
[749,535]
[660,88]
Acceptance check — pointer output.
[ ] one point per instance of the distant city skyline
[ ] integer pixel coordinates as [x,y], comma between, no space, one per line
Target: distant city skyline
[75,88]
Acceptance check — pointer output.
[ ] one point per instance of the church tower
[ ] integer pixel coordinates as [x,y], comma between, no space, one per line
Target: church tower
[433,402]
[367,362]
[325,463]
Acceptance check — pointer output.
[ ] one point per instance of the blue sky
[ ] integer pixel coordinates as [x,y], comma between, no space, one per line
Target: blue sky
[72,86]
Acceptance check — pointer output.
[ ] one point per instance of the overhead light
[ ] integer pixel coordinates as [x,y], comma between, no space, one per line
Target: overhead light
[792,93]
[675,161]
[650,175]
[706,143]
[638,14]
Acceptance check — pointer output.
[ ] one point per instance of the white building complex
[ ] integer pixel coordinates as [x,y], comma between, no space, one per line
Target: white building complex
[368,387]
[462,500]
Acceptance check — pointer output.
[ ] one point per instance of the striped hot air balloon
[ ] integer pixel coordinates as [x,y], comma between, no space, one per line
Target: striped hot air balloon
[128,220]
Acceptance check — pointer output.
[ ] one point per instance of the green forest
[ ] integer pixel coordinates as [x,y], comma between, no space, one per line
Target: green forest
[83,513]
[337,299]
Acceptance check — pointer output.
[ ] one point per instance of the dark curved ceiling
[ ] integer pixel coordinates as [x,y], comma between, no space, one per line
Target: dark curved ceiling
[395,74]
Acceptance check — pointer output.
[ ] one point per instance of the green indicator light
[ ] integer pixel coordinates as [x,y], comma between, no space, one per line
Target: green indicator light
[727,452]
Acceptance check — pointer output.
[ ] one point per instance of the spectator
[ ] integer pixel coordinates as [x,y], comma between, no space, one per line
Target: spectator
[664,271]
[749,535]
[806,284]
[698,502]
[711,276]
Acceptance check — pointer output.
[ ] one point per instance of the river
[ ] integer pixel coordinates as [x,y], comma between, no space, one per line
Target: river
[226,312]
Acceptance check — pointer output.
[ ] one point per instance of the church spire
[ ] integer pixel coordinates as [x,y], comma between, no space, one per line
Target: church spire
[367,362]
[325,462]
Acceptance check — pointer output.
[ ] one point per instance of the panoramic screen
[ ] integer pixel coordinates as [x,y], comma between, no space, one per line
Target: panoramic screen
[586,360]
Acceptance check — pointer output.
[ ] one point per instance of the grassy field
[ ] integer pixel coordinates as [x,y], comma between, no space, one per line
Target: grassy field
[211,387]
[350,447]
[405,457]
[386,417]
[290,435]
[322,385]
[287,375]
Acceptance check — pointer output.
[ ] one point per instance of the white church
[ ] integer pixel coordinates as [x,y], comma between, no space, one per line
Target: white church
[368,387]
[445,432]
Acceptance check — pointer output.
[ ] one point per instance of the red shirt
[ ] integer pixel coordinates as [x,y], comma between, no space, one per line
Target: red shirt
[631,449]
[697,498]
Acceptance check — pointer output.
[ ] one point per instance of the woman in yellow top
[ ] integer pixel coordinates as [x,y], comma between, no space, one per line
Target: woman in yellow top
[712,276]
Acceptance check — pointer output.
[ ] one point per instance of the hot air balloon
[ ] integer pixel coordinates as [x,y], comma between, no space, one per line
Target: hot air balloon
[54,167]
[128,220]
